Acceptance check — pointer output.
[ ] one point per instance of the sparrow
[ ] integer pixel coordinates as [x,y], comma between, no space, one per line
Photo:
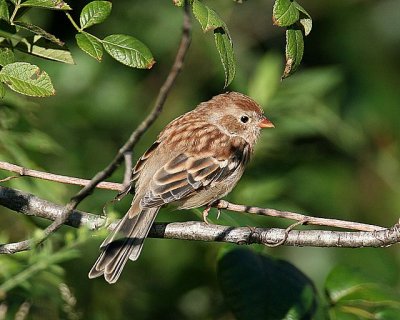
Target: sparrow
[196,160]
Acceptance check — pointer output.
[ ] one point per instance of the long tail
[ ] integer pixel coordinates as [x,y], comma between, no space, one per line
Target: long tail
[124,243]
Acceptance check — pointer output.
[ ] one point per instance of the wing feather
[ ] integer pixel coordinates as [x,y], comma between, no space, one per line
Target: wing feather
[185,174]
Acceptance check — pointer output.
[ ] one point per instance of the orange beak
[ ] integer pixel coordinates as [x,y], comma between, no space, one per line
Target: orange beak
[265,123]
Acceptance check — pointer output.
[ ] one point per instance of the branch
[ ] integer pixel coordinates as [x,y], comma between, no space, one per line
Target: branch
[221,204]
[24,172]
[31,205]
[131,142]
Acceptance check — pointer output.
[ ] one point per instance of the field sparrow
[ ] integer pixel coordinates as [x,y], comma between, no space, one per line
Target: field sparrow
[197,159]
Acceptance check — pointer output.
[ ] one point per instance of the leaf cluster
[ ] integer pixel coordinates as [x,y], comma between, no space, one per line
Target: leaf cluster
[298,23]
[256,286]
[28,79]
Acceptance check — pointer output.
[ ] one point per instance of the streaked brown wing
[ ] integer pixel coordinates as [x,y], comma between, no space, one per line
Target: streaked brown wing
[140,163]
[184,174]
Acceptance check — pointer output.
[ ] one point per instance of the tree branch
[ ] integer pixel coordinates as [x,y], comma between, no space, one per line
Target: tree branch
[24,172]
[221,204]
[31,205]
[130,143]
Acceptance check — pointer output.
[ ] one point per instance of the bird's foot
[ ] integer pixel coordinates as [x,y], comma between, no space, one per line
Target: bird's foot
[205,214]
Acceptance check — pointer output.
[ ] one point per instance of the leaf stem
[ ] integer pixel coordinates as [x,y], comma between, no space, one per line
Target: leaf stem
[16,8]
[73,22]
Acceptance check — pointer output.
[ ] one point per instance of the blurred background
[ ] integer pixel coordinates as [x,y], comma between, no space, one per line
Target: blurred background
[334,152]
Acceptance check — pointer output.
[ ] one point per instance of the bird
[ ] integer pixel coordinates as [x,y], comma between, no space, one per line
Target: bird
[196,160]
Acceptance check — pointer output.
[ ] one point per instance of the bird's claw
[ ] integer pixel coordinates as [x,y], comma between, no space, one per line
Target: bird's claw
[206,211]
[205,214]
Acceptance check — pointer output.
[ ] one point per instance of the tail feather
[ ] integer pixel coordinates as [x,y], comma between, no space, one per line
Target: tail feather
[124,243]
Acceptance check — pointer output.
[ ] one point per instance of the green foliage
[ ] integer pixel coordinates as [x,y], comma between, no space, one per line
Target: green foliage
[211,21]
[90,44]
[94,13]
[128,51]
[39,273]
[334,153]
[290,14]
[46,4]
[6,56]
[258,287]
[123,48]
[27,79]
[353,295]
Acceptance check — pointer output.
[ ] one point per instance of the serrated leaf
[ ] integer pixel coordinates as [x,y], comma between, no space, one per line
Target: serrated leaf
[39,31]
[47,4]
[2,91]
[40,47]
[95,12]
[6,56]
[89,44]
[129,51]
[27,79]
[258,287]
[306,22]
[294,51]
[285,13]
[207,17]
[227,55]
[4,14]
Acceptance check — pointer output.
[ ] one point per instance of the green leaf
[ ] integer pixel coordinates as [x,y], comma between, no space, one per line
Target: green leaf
[95,12]
[285,13]
[2,91]
[47,4]
[40,47]
[27,79]
[258,287]
[306,22]
[4,14]
[208,18]
[39,31]
[129,51]
[90,44]
[351,292]
[294,51]
[6,56]
[349,284]
[227,55]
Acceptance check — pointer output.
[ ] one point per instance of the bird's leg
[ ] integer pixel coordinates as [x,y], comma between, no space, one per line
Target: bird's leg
[205,214]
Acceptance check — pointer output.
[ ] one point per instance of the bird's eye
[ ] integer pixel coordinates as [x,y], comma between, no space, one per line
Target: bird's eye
[244,119]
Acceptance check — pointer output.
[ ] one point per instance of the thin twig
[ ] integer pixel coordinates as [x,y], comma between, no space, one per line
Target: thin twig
[128,169]
[133,139]
[53,177]
[222,204]
[31,205]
